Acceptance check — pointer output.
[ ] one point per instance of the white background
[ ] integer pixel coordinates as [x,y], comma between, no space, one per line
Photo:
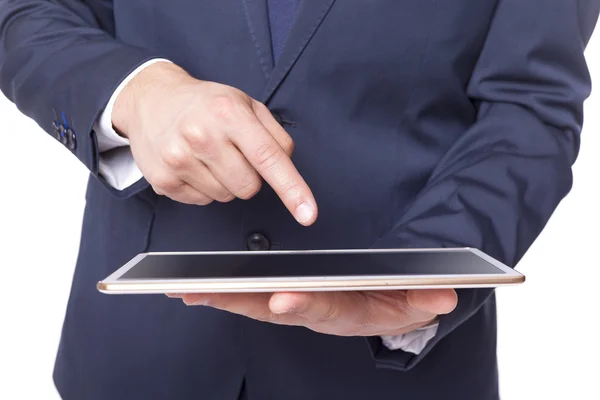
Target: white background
[548,344]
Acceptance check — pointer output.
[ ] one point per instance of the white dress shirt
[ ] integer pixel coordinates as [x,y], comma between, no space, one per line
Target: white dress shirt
[117,166]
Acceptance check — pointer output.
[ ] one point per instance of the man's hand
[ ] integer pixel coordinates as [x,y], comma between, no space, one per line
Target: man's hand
[197,141]
[369,313]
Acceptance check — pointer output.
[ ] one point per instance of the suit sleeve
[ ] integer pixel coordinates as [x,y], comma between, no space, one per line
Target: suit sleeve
[60,63]
[498,185]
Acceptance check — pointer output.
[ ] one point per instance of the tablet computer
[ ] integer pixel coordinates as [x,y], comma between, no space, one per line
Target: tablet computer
[308,270]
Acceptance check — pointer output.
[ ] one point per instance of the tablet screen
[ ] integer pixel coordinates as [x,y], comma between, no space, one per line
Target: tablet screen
[307,264]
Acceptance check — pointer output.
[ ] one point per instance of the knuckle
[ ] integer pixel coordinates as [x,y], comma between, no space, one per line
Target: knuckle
[267,156]
[223,107]
[196,137]
[260,107]
[189,127]
[250,189]
[291,189]
[288,145]
[199,140]
[165,184]
[223,196]
[202,144]
[174,156]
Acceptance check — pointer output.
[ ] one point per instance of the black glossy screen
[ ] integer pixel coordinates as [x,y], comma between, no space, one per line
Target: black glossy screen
[253,265]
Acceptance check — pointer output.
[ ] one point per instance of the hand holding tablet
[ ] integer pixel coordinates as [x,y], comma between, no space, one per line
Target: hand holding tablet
[336,292]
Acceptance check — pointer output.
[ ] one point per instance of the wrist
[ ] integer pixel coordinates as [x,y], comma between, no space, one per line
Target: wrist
[147,85]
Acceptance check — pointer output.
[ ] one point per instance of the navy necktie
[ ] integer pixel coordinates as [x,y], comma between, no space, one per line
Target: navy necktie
[281,17]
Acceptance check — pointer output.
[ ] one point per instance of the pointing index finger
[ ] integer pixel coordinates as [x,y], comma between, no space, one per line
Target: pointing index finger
[277,169]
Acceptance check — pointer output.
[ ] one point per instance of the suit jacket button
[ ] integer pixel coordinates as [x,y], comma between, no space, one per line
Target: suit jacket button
[257,242]
[71,139]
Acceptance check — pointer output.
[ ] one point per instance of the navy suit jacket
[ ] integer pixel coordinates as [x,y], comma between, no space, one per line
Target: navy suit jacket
[416,124]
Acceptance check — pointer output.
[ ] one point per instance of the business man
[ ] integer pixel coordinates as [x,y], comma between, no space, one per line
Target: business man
[412,124]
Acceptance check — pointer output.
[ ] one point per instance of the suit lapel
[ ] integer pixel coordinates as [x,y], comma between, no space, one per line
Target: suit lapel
[257,18]
[310,15]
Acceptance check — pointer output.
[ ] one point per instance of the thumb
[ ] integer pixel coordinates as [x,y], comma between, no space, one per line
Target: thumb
[434,301]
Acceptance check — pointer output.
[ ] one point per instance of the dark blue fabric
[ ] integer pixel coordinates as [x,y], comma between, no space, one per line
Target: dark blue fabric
[281,17]
[416,124]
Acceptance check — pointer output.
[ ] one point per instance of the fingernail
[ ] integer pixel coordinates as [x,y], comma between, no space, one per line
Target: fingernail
[304,212]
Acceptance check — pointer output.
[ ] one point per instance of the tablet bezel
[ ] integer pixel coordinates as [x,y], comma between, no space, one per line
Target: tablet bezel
[112,284]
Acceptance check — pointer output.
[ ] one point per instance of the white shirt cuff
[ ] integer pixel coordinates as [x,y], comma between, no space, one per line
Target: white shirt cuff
[411,342]
[116,164]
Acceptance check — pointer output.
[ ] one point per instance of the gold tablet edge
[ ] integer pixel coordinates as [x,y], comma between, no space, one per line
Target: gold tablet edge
[116,287]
